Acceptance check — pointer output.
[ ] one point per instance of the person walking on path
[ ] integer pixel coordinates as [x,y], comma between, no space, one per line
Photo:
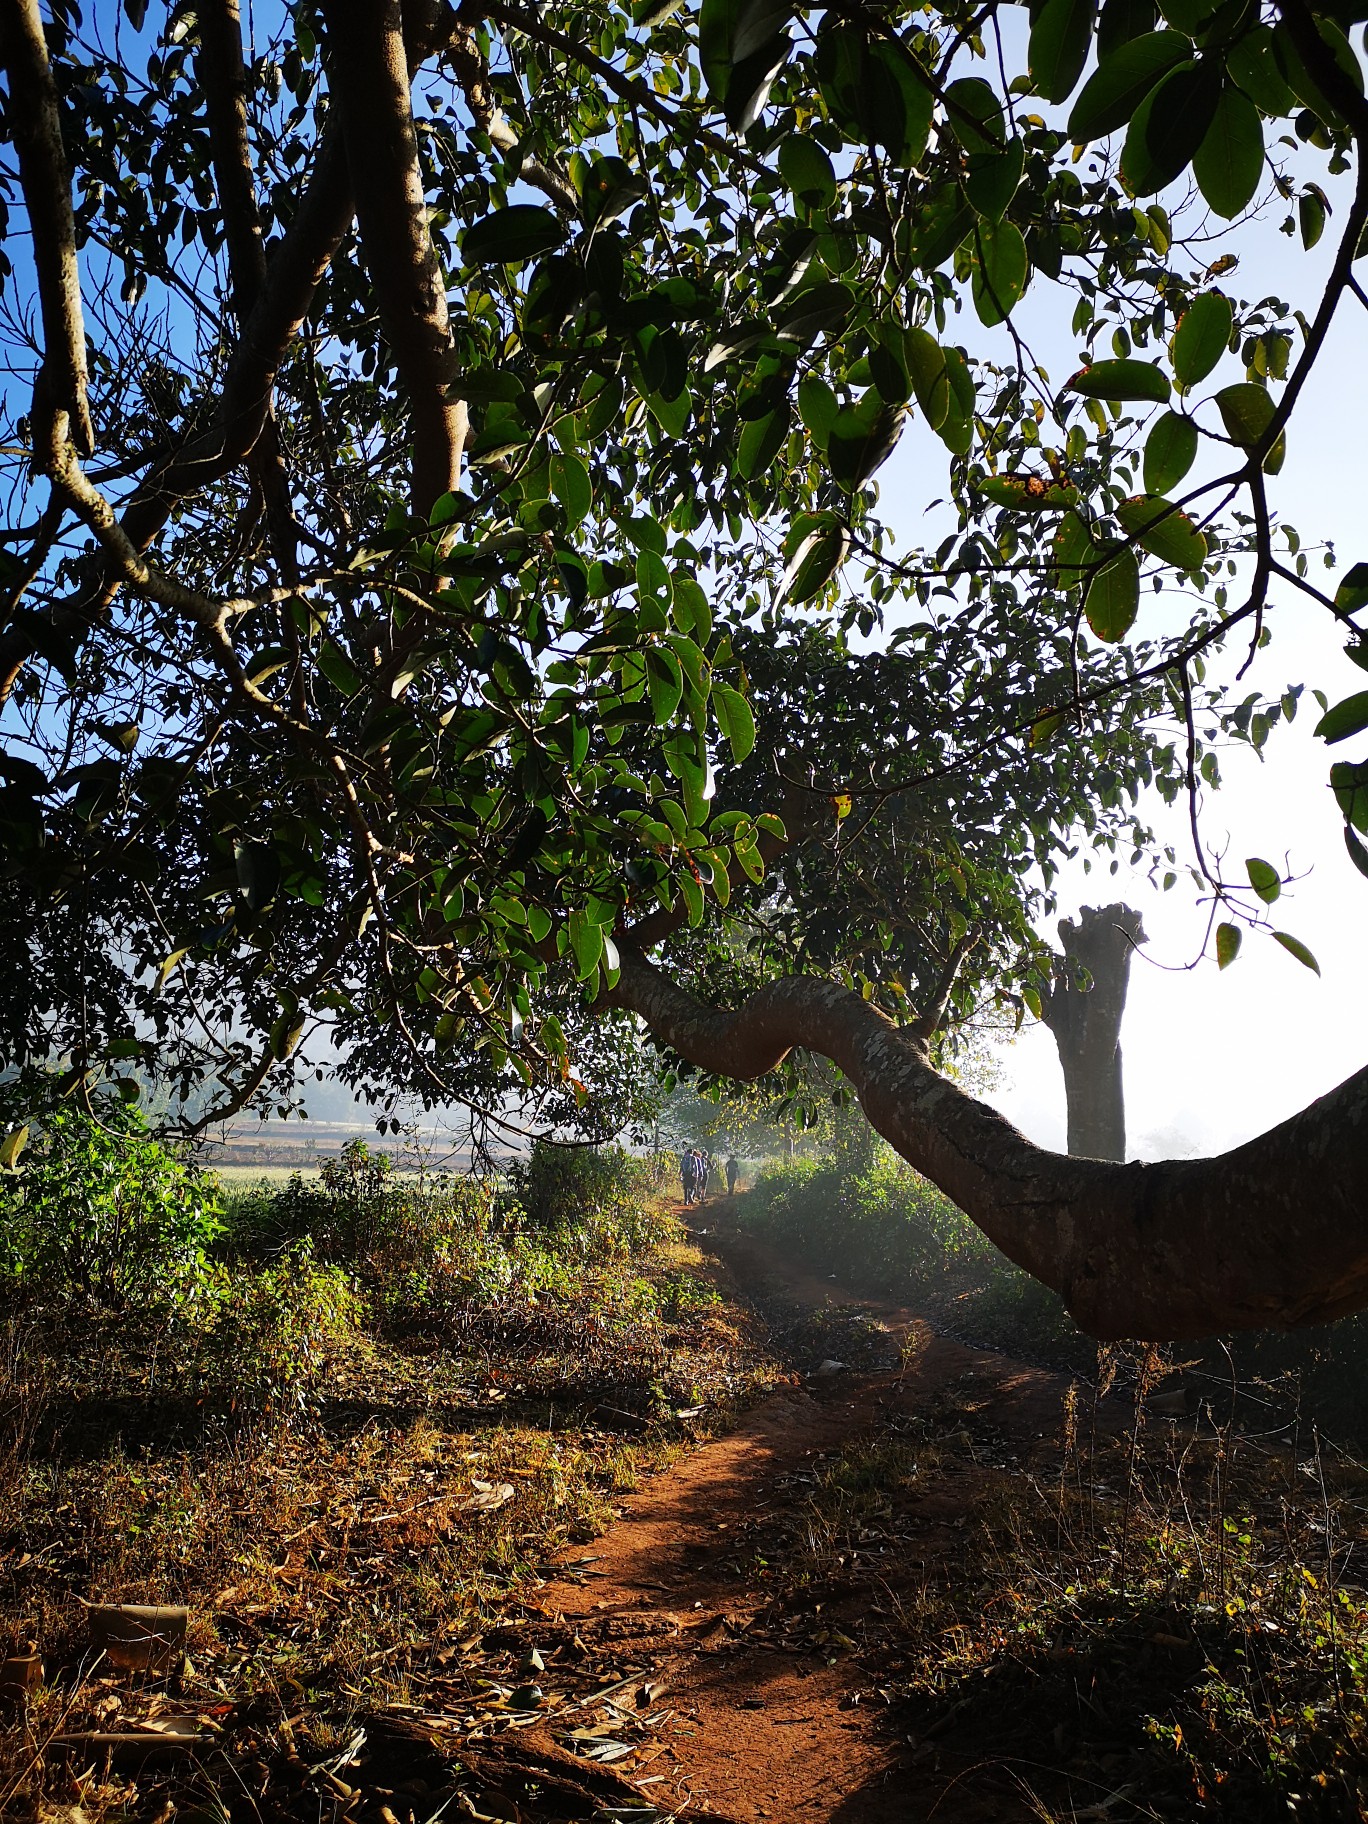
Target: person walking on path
[688,1175]
[733,1168]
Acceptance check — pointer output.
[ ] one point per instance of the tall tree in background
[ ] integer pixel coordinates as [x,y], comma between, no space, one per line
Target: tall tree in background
[1083,1007]
[446,602]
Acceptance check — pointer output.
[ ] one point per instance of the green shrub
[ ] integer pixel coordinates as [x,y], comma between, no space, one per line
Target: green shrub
[592,1200]
[99,1213]
[362,1214]
[262,1347]
[432,1253]
[880,1222]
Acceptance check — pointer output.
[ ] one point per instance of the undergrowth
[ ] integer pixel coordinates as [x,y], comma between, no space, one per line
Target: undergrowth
[884,1230]
[357,1418]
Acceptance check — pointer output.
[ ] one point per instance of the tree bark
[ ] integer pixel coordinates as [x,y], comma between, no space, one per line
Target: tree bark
[60,406]
[1086,1022]
[369,72]
[1270,1235]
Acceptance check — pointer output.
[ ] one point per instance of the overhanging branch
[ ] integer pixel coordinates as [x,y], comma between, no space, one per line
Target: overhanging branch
[1249,1240]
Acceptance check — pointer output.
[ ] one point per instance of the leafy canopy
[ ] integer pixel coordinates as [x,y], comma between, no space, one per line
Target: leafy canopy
[447,599]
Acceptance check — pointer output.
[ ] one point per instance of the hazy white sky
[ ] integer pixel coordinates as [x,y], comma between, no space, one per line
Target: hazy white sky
[1214,1058]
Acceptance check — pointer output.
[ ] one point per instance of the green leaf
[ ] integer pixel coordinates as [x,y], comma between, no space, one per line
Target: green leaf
[1121,21]
[518,231]
[1299,78]
[1059,44]
[572,487]
[1311,216]
[862,438]
[1295,947]
[815,309]
[338,668]
[735,719]
[1168,127]
[817,407]
[1121,381]
[939,225]
[1246,412]
[1252,63]
[1228,938]
[1000,270]
[665,682]
[1113,598]
[1170,450]
[1263,878]
[1121,82]
[1229,163]
[807,171]
[1349,783]
[957,432]
[814,549]
[1190,16]
[976,115]
[1163,530]
[994,178]
[1358,854]
[761,441]
[898,102]
[586,941]
[929,374]
[693,898]
[1352,595]
[1075,551]
[1347,718]
[742,47]
[1201,338]
[285,1034]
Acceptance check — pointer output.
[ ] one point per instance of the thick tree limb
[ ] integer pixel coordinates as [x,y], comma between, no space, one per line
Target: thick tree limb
[1270,1235]
[35,125]
[369,71]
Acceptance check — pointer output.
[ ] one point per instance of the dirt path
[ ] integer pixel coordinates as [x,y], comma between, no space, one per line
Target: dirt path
[770,1680]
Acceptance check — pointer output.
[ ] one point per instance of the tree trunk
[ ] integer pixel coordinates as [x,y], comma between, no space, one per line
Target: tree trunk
[1083,1010]
[1270,1235]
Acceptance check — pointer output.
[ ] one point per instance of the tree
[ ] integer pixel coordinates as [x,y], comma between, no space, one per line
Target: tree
[447,602]
[1083,1007]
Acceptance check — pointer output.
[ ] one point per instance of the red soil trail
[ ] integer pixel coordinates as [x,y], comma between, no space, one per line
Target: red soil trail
[772,1716]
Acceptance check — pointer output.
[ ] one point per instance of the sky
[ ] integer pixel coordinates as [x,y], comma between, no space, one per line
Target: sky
[1212,1058]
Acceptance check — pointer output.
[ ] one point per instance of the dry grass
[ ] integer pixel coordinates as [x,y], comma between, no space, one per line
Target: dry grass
[331,1562]
[1171,1625]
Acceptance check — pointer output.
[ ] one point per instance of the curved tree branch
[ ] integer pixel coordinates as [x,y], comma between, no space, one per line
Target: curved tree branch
[1270,1235]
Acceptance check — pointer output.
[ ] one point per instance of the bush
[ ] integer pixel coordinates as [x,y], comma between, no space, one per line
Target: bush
[880,1222]
[264,1344]
[596,1193]
[432,1253]
[98,1213]
[361,1213]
